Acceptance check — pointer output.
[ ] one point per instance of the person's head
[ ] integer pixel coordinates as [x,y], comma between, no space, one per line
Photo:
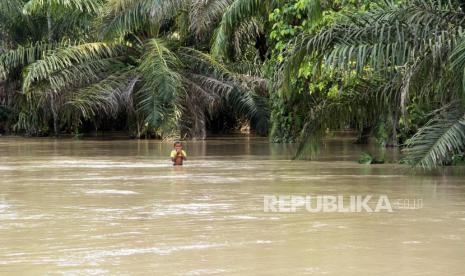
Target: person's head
[177,145]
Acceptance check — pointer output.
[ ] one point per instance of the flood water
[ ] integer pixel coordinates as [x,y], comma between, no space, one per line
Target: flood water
[118,207]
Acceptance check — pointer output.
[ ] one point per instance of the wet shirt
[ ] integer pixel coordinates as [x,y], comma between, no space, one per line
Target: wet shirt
[174,153]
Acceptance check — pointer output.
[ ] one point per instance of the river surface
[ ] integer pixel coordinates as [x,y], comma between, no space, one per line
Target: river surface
[118,207]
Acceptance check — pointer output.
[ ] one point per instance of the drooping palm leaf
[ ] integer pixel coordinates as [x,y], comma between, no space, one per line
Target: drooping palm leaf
[80,75]
[121,17]
[161,82]
[252,107]
[204,14]
[25,55]
[68,57]
[241,15]
[360,104]
[436,143]
[238,11]
[108,96]
[227,88]
[89,6]
[390,36]
[203,62]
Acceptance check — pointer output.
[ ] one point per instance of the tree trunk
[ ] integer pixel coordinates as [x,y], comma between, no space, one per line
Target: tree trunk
[55,117]
[49,27]
[393,141]
[200,131]
[52,102]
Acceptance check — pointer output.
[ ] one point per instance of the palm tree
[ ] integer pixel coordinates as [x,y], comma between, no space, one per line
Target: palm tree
[410,50]
[29,34]
[136,59]
[246,21]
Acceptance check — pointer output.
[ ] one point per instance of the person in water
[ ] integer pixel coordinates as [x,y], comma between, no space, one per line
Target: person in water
[178,155]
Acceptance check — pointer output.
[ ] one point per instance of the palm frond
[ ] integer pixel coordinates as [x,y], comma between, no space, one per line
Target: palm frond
[212,84]
[10,10]
[10,7]
[161,82]
[206,98]
[121,17]
[63,58]
[16,28]
[204,14]
[89,6]
[74,23]
[436,143]
[107,96]
[238,11]
[245,33]
[250,106]
[382,40]
[24,55]
[314,10]
[80,75]
[203,62]
[360,103]
[457,59]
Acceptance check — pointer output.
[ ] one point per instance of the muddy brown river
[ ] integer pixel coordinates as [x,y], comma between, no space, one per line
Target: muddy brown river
[118,207]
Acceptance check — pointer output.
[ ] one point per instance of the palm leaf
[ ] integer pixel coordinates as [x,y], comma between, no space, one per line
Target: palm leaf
[89,6]
[80,75]
[250,106]
[24,55]
[383,40]
[238,11]
[204,14]
[121,17]
[68,57]
[161,82]
[436,142]
[107,96]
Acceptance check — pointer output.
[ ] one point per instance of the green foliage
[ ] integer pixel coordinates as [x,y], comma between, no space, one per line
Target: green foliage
[133,59]
[159,92]
[365,158]
[439,140]
[458,160]
[58,60]
[381,134]
[286,122]
[412,49]
[22,56]
[301,67]
[89,6]
[287,21]
[122,17]
[238,12]
[368,159]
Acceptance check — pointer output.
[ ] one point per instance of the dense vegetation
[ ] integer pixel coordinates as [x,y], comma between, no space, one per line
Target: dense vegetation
[290,69]
[142,64]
